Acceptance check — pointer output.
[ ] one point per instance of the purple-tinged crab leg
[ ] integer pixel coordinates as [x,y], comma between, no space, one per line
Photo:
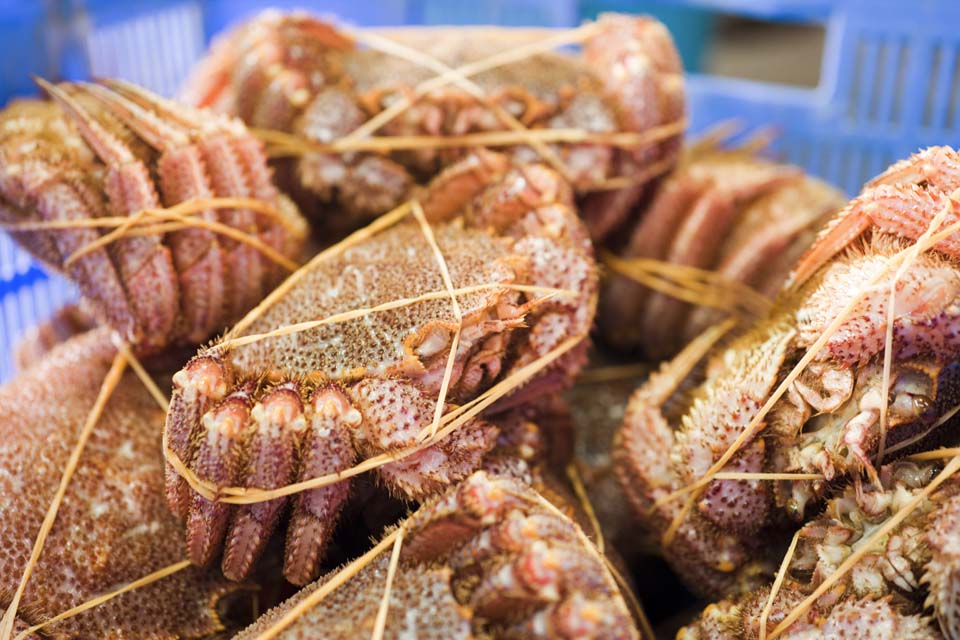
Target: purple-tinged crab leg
[183,176]
[278,422]
[220,140]
[144,262]
[218,460]
[326,449]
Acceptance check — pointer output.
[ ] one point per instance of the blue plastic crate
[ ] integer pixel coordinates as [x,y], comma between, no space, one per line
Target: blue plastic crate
[889,84]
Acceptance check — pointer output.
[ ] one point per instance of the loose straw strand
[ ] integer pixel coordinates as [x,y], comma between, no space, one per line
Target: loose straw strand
[691,284]
[135,364]
[95,602]
[331,585]
[573,473]
[106,389]
[777,583]
[385,306]
[381,621]
[457,312]
[937,454]
[751,475]
[287,144]
[888,335]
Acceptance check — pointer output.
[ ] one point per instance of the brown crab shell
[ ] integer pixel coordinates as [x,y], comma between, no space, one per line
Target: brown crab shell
[113,526]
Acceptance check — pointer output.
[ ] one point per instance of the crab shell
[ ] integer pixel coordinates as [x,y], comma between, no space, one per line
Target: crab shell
[94,153]
[296,73]
[485,558]
[828,420]
[290,407]
[113,526]
[726,210]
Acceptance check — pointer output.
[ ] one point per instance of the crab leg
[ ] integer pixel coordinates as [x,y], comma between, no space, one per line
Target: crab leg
[217,460]
[145,265]
[712,215]
[326,449]
[902,209]
[198,387]
[236,167]
[277,424]
[65,196]
[183,175]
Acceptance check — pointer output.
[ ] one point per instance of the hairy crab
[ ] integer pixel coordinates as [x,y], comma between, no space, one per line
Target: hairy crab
[112,526]
[897,576]
[727,210]
[359,353]
[803,390]
[296,73]
[489,557]
[116,152]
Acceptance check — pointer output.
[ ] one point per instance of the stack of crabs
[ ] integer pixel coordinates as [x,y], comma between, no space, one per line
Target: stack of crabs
[336,303]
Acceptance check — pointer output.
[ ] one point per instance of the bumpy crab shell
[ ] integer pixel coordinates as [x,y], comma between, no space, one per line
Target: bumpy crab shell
[827,422]
[891,588]
[310,402]
[486,559]
[730,211]
[293,72]
[98,152]
[113,526]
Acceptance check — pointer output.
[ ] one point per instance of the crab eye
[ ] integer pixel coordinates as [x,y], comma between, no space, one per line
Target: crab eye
[433,343]
[912,394]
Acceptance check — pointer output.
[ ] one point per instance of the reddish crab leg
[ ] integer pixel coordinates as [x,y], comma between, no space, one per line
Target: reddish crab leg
[64,194]
[893,202]
[183,175]
[278,423]
[145,264]
[217,460]
[326,448]
[237,167]
[197,388]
